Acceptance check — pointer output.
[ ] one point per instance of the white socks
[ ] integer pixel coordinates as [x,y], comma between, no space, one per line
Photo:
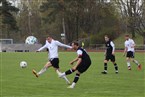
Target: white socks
[136,62]
[73,85]
[42,71]
[128,63]
[62,75]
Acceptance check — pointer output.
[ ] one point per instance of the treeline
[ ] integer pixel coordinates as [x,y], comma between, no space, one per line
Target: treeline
[87,20]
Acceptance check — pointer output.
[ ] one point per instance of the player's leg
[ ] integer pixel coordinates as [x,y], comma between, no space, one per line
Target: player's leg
[68,72]
[105,66]
[80,69]
[47,65]
[116,67]
[137,63]
[115,64]
[76,78]
[62,76]
[55,64]
[128,56]
[128,63]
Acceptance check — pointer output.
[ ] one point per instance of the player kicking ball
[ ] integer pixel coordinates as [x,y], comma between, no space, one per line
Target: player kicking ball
[83,62]
[52,46]
[129,49]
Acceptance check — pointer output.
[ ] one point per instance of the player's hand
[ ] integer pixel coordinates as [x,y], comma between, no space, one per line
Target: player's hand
[72,63]
[113,53]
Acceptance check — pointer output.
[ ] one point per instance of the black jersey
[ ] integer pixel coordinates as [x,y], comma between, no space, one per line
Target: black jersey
[109,47]
[84,55]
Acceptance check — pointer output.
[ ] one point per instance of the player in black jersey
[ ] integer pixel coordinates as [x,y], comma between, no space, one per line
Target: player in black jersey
[83,62]
[109,54]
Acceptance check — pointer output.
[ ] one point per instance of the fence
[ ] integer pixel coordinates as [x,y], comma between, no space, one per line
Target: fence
[19,47]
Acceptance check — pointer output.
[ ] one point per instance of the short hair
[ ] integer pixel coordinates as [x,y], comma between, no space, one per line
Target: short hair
[106,36]
[127,35]
[75,43]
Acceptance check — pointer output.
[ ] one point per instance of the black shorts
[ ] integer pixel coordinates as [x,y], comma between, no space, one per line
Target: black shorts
[110,57]
[83,67]
[130,54]
[55,62]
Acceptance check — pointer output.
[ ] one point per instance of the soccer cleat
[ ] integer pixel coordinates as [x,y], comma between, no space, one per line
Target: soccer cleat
[35,73]
[104,72]
[139,67]
[129,68]
[70,87]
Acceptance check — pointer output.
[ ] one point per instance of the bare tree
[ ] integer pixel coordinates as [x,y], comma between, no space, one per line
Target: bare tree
[131,11]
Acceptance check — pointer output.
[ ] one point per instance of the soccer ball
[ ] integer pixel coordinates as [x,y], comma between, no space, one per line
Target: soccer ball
[23,64]
[31,40]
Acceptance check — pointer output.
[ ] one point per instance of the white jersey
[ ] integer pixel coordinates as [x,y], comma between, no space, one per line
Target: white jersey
[53,48]
[129,44]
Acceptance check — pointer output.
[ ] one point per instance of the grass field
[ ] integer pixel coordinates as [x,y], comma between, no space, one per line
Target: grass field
[18,82]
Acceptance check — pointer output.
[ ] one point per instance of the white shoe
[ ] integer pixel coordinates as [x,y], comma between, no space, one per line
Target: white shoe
[60,75]
[70,87]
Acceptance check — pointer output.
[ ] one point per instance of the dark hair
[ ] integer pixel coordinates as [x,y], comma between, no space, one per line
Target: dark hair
[75,43]
[127,35]
[106,36]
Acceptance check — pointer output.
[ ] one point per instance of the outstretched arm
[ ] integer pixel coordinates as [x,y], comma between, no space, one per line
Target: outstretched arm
[43,47]
[63,45]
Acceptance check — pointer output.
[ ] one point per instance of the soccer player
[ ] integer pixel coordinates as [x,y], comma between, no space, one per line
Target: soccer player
[52,46]
[83,62]
[129,49]
[109,54]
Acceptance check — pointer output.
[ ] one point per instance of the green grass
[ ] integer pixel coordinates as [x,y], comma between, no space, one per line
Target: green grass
[18,82]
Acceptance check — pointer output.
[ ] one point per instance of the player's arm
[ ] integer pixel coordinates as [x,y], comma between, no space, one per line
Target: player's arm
[42,48]
[63,45]
[79,60]
[76,59]
[125,50]
[113,46]
[133,44]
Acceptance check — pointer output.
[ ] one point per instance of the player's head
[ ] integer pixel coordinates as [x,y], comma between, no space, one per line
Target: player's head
[126,37]
[75,45]
[49,39]
[106,37]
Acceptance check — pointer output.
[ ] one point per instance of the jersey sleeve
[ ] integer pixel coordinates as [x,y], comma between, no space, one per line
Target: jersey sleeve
[133,43]
[79,53]
[125,44]
[62,45]
[113,45]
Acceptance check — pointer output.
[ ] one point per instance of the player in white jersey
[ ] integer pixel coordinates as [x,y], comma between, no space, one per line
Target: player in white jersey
[129,49]
[52,46]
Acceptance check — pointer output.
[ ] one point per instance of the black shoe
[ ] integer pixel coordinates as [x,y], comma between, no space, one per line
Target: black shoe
[104,72]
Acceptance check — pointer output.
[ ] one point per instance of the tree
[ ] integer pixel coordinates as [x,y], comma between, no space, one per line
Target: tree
[8,20]
[131,11]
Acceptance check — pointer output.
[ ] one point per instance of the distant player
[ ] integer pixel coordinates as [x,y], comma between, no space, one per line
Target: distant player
[129,49]
[52,46]
[109,54]
[83,62]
